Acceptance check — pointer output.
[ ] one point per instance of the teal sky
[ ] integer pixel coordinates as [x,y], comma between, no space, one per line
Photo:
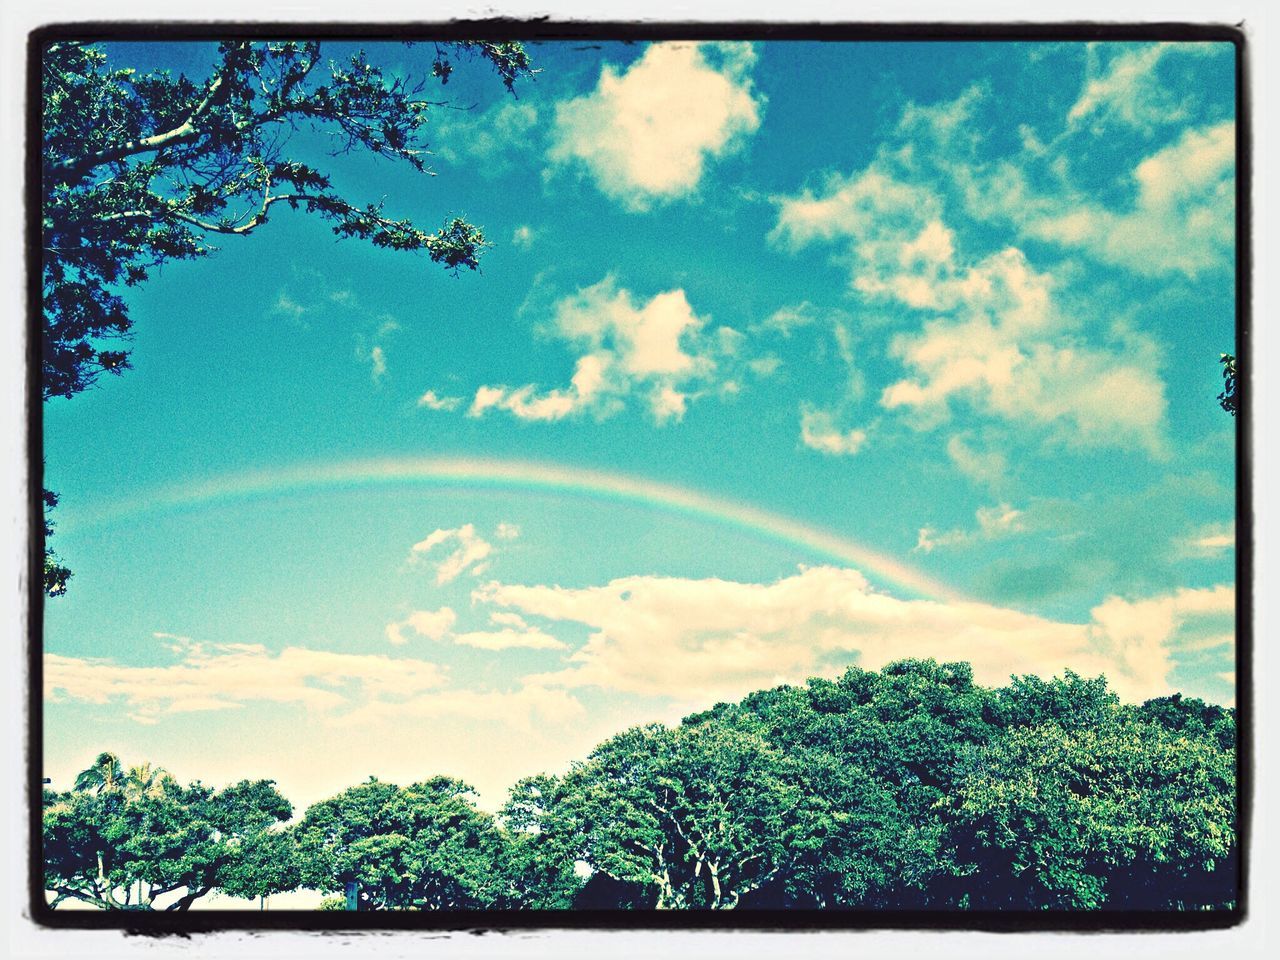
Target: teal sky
[785,357]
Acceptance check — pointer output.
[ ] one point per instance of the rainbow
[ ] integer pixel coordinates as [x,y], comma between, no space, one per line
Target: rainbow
[524,475]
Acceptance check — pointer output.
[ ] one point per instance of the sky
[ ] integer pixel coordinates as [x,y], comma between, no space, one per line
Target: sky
[786,357]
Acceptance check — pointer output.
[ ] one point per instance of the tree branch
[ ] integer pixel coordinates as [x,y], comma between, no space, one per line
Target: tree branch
[185,132]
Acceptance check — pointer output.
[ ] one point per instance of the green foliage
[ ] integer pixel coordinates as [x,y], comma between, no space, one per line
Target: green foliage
[540,847]
[123,839]
[1126,815]
[910,788]
[694,817]
[1229,398]
[1192,717]
[425,846]
[55,574]
[139,169]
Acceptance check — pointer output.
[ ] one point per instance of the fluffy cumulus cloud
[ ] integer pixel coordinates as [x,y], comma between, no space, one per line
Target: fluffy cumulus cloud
[659,350]
[887,228]
[464,551]
[646,134]
[208,676]
[1172,212]
[702,640]
[995,337]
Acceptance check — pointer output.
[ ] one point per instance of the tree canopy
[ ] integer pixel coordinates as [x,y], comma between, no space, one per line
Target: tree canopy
[123,840]
[424,846]
[908,788]
[142,168]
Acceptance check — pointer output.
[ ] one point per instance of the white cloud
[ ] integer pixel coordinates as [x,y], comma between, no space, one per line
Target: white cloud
[522,237]
[469,552]
[1211,540]
[986,467]
[437,625]
[286,306]
[1182,218]
[997,340]
[659,349]
[786,320]
[432,624]
[819,432]
[487,142]
[434,401]
[507,639]
[1128,88]
[889,228]
[993,523]
[211,676]
[702,640]
[1140,636]
[377,362]
[645,135]
[1008,352]
[488,737]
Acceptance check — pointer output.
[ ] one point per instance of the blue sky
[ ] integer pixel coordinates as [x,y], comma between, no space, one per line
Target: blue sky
[786,357]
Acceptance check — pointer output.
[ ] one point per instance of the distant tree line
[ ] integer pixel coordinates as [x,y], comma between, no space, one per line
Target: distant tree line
[907,788]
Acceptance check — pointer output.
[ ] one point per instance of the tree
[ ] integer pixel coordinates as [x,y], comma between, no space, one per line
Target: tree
[874,753]
[138,169]
[124,845]
[698,816]
[424,846]
[1229,398]
[1123,815]
[104,775]
[540,848]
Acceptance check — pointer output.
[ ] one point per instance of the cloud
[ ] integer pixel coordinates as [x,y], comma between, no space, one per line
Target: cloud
[982,466]
[436,402]
[378,362]
[470,552]
[659,349]
[997,338]
[1182,218]
[1008,352]
[212,676]
[818,432]
[432,624]
[1211,540]
[438,624]
[487,142]
[786,320]
[645,134]
[993,523]
[701,640]
[888,228]
[507,639]
[287,307]
[1129,88]
[522,237]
